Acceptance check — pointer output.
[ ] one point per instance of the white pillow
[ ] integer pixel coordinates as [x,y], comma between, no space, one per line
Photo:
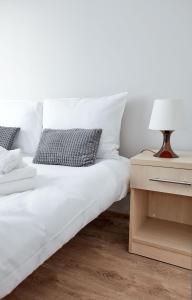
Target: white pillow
[89,113]
[28,116]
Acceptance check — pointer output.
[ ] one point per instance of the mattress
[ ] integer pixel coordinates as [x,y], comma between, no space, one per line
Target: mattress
[35,224]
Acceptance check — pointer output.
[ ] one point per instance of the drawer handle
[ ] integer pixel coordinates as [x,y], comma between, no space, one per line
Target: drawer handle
[170,181]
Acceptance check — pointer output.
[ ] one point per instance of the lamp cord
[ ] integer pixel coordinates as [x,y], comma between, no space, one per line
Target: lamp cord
[143,150]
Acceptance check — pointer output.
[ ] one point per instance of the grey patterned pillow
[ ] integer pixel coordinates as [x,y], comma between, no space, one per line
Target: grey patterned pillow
[7,136]
[72,147]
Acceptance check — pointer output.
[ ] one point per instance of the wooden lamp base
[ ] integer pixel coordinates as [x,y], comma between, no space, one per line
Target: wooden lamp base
[166,150]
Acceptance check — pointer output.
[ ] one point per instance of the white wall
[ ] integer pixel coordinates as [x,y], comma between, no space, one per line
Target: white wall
[56,48]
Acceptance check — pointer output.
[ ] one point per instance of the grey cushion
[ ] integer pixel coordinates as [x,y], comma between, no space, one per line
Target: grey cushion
[72,147]
[7,136]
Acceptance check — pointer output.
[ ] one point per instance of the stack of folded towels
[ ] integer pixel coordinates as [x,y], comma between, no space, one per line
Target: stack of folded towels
[15,175]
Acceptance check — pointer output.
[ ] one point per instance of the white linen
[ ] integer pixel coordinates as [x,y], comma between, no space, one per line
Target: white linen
[18,186]
[35,224]
[94,113]
[18,174]
[27,115]
[9,160]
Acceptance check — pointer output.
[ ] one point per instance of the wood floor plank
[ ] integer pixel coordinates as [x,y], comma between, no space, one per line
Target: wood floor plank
[95,265]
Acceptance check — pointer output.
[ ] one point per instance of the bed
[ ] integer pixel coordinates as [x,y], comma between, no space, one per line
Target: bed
[35,224]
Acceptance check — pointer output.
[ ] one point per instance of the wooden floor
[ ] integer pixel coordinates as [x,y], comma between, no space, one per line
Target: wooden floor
[95,265]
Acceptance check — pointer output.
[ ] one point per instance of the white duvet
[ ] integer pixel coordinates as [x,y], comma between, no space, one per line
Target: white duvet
[35,224]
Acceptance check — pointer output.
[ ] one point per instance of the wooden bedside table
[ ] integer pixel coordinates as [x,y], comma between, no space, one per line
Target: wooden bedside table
[161,208]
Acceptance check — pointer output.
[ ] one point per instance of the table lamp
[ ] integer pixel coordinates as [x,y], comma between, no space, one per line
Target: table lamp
[167,116]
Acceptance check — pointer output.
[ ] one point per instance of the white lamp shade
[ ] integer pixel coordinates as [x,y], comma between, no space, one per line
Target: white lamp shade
[167,114]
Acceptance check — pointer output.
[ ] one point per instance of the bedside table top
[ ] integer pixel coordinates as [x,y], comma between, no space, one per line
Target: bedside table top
[146,158]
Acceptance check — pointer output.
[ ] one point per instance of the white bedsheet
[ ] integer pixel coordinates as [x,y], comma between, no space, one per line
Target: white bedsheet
[35,224]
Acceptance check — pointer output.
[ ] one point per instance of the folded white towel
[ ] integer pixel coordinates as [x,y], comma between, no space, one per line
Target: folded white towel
[15,175]
[18,174]
[18,186]
[9,160]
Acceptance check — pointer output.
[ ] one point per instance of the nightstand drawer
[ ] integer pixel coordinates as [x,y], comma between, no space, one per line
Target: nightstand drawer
[167,180]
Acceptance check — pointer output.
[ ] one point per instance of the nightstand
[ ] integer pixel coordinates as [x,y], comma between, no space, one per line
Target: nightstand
[161,208]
